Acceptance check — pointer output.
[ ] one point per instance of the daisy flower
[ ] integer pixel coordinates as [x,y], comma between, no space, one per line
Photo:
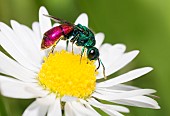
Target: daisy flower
[59,83]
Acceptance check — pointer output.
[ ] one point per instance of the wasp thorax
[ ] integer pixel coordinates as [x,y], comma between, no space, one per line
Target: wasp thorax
[85,36]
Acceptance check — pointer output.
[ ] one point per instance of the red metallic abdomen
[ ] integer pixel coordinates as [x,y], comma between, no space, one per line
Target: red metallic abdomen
[54,34]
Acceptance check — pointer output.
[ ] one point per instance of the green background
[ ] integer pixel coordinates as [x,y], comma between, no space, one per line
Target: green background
[140,24]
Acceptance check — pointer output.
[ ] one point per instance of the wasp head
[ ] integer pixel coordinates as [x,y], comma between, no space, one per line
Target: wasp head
[92,53]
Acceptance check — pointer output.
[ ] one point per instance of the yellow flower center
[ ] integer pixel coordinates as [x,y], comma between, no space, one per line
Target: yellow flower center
[63,74]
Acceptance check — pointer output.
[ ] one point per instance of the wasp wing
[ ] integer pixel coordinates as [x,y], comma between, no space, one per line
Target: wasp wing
[62,21]
[58,20]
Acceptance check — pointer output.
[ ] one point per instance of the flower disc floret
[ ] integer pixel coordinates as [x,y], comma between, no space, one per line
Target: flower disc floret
[63,73]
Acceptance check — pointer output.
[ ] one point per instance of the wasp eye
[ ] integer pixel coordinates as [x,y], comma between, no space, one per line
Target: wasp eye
[92,53]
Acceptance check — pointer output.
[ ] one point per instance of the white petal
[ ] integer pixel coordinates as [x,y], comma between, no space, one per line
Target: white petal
[33,38]
[104,51]
[62,45]
[110,90]
[11,67]
[139,101]
[68,109]
[125,77]
[35,110]
[10,42]
[39,107]
[105,95]
[123,87]
[125,59]
[27,39]
[108,50]
[95,103]
[99,39]
[120,62]
[112,112]
[68,98]
[45,22]
[16,89]
[89,106]
[36,30]
[55,108]
[37,53]
[82,19]
[56,24]
[110,55]
[117,89]
[105,109]
[79,107]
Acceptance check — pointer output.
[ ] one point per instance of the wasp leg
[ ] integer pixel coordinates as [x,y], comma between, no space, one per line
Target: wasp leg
[67,42]
[73,40]
[52,49]
[65,37]
[98,65]
[82,52]
[87,61]
[72,47]
[103,69]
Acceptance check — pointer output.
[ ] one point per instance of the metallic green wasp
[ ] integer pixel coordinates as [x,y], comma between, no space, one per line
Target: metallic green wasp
[78,34]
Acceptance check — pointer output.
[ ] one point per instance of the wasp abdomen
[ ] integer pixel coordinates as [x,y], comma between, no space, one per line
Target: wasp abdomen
[66,29]
[54,34]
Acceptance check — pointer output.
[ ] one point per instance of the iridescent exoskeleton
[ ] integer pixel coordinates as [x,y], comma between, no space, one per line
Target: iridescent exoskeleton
[78,34]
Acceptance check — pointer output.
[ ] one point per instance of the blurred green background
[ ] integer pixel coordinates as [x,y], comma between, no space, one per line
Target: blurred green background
[140,24]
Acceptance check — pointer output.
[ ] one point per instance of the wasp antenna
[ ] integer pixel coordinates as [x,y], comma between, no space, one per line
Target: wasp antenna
[103,69]
[98,65]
